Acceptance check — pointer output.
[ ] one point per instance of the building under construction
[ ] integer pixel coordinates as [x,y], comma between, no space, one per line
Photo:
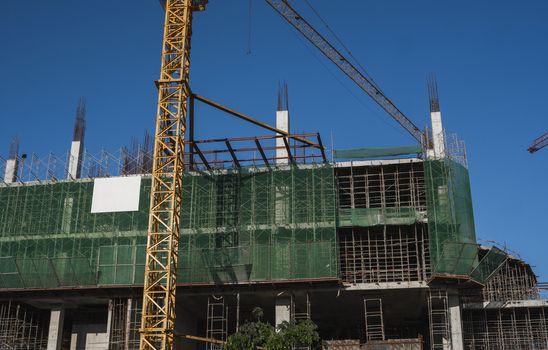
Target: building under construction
[377,246]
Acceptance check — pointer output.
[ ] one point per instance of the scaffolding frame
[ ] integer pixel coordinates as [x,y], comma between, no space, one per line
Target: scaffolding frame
[374,319]
[513,281]
[217,322]
[506,328]
[382,186]
[22,328]
[125,323]
[438,319]
[394,253]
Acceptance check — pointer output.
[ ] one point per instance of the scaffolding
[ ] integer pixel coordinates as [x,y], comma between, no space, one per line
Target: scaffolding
[300,308]
[438,319]
[22,327]
[125,323]
[300,311]
[506,328]
[382,186]
[396,253]
[515,280]
[217,321]
[374,321]
[126,160]
[510,279]
[453,246]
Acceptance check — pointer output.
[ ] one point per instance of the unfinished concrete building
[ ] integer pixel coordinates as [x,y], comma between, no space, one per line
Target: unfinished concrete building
[376,246]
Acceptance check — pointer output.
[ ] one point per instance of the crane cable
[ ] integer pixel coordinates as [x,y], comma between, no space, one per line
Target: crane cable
[344,86]
[249,25]
[328,27]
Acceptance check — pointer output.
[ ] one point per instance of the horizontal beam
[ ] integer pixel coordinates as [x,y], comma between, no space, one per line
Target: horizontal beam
[252,120]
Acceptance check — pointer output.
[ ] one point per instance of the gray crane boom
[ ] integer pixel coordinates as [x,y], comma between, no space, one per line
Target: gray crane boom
[299,23]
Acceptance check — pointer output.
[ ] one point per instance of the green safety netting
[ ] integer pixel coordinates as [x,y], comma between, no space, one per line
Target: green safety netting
[489,264]
[453,247]
[237,225]
[360,153]
[365,217]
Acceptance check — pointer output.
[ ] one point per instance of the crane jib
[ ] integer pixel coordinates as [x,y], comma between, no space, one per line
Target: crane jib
[299,23]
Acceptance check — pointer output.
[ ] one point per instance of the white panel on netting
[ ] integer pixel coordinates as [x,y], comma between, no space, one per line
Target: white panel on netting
[116,194]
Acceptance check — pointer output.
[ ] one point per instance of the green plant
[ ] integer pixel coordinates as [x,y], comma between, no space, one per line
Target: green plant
[260,334]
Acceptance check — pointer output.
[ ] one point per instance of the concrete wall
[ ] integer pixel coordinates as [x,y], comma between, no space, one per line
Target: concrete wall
[89,337]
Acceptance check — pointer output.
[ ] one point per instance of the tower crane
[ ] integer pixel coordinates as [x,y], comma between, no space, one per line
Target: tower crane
[158,309]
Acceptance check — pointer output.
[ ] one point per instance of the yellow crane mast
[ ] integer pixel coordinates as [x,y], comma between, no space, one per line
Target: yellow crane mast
[158,313]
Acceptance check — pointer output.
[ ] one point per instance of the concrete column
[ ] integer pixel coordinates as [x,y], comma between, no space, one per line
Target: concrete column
[10,173]
[282,204]
[455,320]
[283,310]
[109,322]
[55,333]
[438,137]
[73,341]
[282,123]
[128,322]
[74,160]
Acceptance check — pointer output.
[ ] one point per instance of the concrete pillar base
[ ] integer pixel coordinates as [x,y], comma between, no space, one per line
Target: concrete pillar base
[55,333]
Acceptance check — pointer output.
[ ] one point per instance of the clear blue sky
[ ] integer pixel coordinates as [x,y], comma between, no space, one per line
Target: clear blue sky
[490,57]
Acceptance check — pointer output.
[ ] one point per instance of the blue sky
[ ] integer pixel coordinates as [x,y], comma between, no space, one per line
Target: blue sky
[490,58]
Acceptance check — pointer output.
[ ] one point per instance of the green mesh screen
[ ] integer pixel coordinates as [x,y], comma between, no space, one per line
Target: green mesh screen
[365,217]
[453,247]
[237,226]
[489,264]
[357,153]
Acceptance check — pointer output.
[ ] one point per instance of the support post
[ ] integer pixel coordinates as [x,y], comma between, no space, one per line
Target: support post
[283,310]
[282,123]
[455,320]
[75,161]
[10,173]
[55,332]
[110,309]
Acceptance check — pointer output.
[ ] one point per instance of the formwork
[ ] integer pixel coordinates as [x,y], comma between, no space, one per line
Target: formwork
[249,224]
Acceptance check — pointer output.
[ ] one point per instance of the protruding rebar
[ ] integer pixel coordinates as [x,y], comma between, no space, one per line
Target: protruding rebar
[80,122]
[433,93]
[283,97]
